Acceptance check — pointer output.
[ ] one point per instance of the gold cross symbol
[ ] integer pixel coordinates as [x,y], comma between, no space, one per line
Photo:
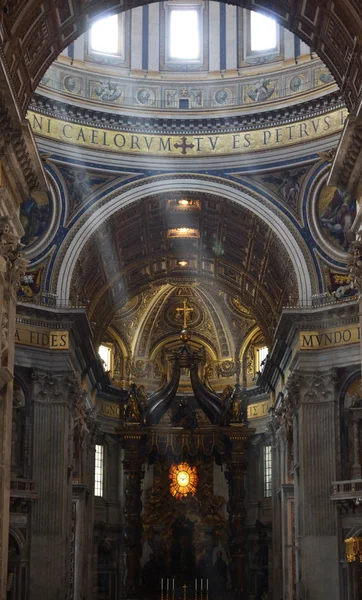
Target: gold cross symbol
[186,310]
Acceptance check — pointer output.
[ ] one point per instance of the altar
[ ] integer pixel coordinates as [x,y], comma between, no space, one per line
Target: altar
[184,466]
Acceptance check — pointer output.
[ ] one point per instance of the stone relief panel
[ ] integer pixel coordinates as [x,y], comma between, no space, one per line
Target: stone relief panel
[118,91]
[107,91]
[263,89]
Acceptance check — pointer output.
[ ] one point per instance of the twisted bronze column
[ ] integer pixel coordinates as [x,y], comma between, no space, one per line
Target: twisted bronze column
[133,465]
[236,467]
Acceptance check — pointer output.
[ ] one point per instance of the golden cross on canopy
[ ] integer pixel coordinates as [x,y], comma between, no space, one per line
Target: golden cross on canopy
[186,310]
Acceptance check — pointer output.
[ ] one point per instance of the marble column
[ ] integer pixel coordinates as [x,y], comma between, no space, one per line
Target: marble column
[315,515]
[52,460]
[12,267]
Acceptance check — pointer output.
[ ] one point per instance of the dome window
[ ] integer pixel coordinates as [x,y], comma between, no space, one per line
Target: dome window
[263,33]
[104,36]
[184,34]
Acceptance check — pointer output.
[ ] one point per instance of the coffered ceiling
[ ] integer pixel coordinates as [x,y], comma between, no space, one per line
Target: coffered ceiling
[34,32]
[185,240]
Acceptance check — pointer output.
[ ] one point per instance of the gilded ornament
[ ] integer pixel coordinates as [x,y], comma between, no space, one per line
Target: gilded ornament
[183,480]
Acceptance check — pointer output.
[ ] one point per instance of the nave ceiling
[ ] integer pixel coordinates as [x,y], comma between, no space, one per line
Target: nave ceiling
[219,249]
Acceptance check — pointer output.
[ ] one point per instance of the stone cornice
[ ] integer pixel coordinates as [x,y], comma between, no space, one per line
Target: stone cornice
[155,125]
[294,320]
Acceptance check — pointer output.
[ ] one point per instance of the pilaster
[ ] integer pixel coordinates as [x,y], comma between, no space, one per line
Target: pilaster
[316,517]
[276,452]
[281,429]
[12,266]
[51,519]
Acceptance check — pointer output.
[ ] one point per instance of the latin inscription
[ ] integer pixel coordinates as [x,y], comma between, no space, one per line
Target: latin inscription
[106,409]
[261,409]
[206,145]
[40,338]
[331,338]
[112,411]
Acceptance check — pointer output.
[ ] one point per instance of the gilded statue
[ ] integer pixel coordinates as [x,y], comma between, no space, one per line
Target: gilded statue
[136,404]
[228,390]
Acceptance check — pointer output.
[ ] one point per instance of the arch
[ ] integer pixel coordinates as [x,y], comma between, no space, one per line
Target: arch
[20,541]
[119,340]
[246,342]
[331,28]
[92,219]
[176,338]
[158,303]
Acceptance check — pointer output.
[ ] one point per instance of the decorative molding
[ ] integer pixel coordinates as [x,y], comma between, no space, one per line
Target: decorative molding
[189,124]
[11,252]
[241,142]
[315,388]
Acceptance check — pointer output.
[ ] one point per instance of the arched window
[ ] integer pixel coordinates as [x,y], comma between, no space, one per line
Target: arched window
[262,353]
[105,352]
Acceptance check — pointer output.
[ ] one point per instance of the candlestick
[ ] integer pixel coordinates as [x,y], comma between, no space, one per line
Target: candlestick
[167,583]
[202,581]
[195,585]
[161,588]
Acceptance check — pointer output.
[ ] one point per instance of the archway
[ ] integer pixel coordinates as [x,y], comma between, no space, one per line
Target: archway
[92,219]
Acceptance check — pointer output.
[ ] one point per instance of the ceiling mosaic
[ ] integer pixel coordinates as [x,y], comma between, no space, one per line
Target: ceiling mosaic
[336,212]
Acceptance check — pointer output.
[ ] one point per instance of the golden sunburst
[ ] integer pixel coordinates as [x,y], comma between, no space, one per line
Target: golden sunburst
[183,480]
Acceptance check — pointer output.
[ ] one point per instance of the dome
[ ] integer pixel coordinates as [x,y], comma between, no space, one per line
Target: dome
[187,57]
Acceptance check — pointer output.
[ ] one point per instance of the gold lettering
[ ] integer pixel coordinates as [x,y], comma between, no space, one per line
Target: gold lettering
[109,410]
[224,143]
[315,340]
[40,338]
